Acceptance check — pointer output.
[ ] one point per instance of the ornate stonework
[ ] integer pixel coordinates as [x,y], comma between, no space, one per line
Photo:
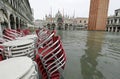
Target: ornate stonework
[61,21]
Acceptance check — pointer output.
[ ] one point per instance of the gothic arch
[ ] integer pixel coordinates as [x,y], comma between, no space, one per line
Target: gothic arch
[53,26]
[66,26]
[48,26]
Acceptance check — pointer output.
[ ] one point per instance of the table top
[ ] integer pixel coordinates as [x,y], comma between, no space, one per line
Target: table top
[18,42]
[28,37]
[14,68]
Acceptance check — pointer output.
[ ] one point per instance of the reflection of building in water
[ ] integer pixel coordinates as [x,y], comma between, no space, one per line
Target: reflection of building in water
[15,14]
[89,60]
[113,24]
[66,22]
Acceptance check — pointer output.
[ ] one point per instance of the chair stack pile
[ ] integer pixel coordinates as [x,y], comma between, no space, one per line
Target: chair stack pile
[46,50]
[10,34]
[51,58]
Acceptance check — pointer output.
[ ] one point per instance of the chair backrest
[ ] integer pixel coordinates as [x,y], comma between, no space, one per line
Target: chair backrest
[56,65]
[53,57]
[2,40]
[8,38]
[10,34]
[46,40]
[1,52]
[13,32]
[26,32]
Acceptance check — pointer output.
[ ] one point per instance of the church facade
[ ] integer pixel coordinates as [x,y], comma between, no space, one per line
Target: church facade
[60,21]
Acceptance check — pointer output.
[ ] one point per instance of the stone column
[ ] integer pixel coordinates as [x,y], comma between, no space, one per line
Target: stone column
[117,21]
[98,15]
[116,29]
[0,30]
[15,22]
[112,29]
[108,29]
[9,26]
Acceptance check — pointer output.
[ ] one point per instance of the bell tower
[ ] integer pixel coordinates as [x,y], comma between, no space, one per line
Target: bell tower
[98,15]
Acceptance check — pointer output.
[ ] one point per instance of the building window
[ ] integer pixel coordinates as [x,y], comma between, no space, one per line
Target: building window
[11,2]
[115,20]
[116,13]
[80,21]
[111,21]
[108,21]
[84,21]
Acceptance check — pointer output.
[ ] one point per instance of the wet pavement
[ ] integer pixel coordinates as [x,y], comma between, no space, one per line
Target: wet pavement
[91,54]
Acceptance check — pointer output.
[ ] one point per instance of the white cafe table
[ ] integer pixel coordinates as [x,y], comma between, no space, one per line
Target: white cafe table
[16,48]
[28,37]
[17,68]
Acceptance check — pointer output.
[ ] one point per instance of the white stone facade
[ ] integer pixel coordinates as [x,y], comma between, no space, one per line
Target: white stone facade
[113,23]
[15,14]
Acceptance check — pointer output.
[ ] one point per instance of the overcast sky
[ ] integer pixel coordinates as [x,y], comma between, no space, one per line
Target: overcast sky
[77,8]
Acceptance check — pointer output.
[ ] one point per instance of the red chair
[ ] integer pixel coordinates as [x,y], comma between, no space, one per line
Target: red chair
[26,32]
[1,48]
[1,51]
[10,34]
[45,39]
[2,40]
[53,58]
[41,68]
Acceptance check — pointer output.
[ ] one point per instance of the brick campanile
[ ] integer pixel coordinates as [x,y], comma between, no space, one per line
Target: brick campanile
[98,15]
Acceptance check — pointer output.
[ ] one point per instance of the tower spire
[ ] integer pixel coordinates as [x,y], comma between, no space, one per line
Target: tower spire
[51,14]
[63,15]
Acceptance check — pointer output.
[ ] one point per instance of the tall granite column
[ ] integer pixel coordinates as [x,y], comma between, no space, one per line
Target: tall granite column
[98,15]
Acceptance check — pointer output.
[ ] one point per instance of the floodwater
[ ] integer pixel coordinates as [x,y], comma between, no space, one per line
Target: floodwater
[91,54]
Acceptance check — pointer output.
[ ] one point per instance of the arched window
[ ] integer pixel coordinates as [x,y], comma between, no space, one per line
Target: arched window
[116,13]
[115,20]
[108,22]
[80,21]
[111,21]
[12,22]
[11,2]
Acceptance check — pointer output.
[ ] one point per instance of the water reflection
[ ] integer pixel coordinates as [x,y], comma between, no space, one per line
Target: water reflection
[59,32]
[89,59]
[91,55]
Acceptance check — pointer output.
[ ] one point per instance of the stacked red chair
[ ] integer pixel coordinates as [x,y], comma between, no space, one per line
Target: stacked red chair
[10,34]
[26,32]
[51,56]
[1,48]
